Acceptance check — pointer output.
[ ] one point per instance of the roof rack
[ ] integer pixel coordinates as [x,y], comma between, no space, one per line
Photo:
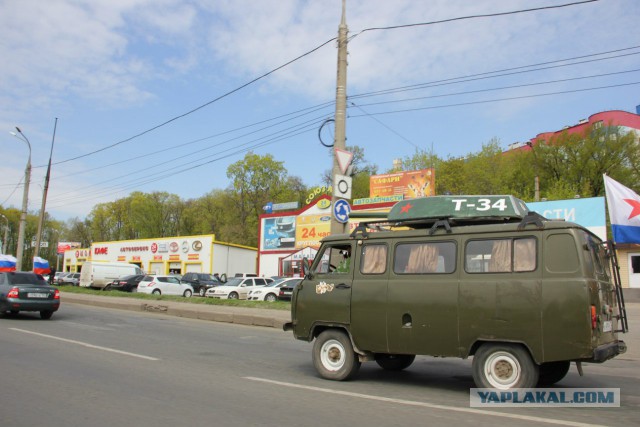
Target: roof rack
[444,211]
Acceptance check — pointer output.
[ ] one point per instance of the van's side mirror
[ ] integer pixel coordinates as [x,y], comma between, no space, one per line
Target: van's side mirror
[306,270]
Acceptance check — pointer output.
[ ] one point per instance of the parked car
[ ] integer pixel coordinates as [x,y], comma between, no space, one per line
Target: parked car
[127,283]
[201,282]
[236,287]
[62,275]
[284,293]
[270,292]
[26,291]
[70,279]
[245,275]
[164,285]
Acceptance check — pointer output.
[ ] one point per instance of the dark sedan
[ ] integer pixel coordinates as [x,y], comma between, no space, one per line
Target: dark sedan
[126,283]
[26,291]
[285,291]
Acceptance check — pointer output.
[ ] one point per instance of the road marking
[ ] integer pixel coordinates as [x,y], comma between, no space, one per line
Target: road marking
[84,344]
[428,405]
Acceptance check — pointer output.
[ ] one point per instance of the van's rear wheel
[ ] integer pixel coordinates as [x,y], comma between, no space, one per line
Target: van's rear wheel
[202,291]
[504,366]
[333,356]
[552,372]
[394,362]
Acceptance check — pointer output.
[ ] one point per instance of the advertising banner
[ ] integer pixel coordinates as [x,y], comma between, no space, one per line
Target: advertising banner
[279,233]
[588,212]
[310,229]
[65,246]
[410,184]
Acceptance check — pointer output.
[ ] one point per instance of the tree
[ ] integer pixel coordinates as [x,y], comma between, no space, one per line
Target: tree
[573,163]
[255,180]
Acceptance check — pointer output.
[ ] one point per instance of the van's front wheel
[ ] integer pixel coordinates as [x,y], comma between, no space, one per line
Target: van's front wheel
[504,366]
[333,356]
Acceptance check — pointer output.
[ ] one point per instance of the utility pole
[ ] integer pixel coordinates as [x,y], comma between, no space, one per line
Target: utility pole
[341,112]
[44,194]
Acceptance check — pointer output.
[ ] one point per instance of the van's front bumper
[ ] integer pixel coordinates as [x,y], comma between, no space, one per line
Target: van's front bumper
[608,351]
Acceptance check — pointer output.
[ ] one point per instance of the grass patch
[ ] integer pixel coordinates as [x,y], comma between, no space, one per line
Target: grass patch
[277,305]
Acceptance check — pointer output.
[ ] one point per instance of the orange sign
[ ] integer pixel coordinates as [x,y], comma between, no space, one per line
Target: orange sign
[410,184]
[310,229]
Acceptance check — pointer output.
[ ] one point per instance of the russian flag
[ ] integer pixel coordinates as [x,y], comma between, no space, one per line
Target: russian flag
[7,263]
[624,211]
[41,265]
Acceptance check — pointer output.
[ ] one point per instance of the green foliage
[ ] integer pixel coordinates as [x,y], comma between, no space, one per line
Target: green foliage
[566,165]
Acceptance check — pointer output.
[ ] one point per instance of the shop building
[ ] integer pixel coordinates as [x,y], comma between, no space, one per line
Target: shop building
[286,238]
[169,255]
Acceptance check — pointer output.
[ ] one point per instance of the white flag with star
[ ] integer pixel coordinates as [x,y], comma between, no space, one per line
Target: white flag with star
[624,211]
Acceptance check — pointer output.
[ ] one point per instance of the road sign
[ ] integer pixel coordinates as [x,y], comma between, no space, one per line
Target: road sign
[342,186]
[344,159]
[341,210]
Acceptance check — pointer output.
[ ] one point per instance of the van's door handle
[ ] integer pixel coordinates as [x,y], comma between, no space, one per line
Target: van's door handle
[343,286]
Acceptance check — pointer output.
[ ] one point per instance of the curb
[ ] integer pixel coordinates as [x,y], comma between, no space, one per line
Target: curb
[237,315]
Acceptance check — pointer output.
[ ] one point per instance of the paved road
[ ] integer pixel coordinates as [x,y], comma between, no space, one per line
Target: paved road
[92,366]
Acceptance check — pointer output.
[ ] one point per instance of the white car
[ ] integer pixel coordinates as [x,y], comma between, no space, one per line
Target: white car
[270,292]
[164,285]
[237,287]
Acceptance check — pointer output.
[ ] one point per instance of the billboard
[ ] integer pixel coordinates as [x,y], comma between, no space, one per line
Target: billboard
[279,233]
[409,184]
[588,212]
[65,246]
[310,229]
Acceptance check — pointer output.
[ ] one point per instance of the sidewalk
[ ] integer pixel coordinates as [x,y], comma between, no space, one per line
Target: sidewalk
[215,313]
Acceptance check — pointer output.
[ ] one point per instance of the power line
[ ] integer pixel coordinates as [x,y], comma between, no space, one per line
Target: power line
[498,73]
[496,100]
[306,54]
[519,86]
[461,18]
[199,107]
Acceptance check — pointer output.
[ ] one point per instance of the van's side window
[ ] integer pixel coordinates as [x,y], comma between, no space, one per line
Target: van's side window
[424,258]
[500,255]
[374,259]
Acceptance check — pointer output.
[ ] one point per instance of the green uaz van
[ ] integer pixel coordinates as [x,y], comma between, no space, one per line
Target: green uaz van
[463,276]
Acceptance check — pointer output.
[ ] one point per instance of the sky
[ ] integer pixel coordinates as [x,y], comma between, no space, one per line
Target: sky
[164,95]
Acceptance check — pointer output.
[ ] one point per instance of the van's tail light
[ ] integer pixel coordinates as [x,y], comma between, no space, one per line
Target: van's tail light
[56,294]
[13,293]
[594,317]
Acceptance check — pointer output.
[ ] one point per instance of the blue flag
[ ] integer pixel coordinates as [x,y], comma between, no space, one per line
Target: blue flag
[624,211]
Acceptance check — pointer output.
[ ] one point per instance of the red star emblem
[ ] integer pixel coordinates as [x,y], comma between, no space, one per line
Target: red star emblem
[635,204]
[405,208]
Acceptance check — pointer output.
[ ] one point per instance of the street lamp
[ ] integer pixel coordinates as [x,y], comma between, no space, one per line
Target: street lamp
[25,201]
[6,231]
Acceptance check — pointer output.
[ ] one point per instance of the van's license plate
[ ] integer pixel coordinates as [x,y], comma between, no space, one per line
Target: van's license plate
[606,326]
